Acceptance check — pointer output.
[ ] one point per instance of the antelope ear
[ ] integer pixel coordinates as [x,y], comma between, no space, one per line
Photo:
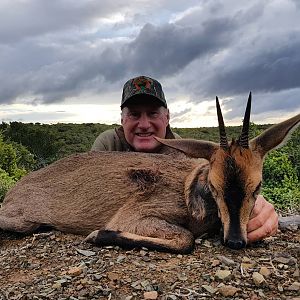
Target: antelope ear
[192,148]
[275,136]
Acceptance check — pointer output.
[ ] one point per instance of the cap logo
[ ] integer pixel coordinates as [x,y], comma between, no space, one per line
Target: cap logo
[141,84]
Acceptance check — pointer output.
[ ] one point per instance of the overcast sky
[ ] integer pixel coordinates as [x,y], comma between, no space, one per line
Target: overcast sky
[67,60]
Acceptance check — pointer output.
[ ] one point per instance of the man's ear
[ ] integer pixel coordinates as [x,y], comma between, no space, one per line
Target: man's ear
[122,114]
[168,115]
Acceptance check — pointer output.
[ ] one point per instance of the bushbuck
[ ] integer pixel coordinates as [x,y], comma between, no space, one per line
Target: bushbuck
[162,202]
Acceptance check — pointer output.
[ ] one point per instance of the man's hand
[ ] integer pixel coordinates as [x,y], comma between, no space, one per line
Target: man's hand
[263,220]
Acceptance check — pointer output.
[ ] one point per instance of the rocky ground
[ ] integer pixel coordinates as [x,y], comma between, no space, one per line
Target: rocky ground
[53,265]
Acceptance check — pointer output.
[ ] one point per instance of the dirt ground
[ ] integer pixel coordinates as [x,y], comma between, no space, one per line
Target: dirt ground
[54,265]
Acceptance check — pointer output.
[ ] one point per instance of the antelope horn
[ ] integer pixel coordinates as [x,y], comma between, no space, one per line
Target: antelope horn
[244,137]
[223,137]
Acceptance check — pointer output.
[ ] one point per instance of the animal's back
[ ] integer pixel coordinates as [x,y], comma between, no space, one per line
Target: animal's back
[83,191]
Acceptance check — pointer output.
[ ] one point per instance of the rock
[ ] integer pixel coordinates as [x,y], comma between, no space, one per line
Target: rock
[75,271]
[223,274]
[120,258]
[56,285]
[296,274]
[136,285]
[265,271]
[146,284]
[291,223]
[215,263]
[228,290]
[226,261]
[143,252]
[246,259]
[113,276]
[209,288]
[285,260]
[294,287]
[151,295]
[258,279]
[86,252]
[198,241]
[172,297]
[261,294]
[207,244]
[182,277]
[247,266]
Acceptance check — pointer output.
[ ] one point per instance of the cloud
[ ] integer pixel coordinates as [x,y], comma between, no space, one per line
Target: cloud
[22,19]
[54,51]
[268,69]
[156,51]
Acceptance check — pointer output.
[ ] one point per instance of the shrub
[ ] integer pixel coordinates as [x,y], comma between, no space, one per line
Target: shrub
[12,162]
[6,182]
[281,182]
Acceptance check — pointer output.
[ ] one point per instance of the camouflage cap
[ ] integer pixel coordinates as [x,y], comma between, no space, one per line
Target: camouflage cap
[143,85]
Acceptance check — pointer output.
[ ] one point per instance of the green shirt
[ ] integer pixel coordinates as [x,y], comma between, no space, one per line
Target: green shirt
[114,140]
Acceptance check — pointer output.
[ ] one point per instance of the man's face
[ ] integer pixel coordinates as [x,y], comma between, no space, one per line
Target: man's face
[141,122]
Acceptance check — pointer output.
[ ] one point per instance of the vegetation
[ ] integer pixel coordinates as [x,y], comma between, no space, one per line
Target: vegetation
[15,162]
[27,147]
[282,175]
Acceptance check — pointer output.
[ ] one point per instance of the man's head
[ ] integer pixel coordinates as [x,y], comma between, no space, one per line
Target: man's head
[144,113]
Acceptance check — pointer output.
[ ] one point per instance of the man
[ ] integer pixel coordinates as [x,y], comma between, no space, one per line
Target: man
[144,115]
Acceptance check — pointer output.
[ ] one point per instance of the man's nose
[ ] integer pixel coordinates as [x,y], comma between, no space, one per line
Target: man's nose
[144,121]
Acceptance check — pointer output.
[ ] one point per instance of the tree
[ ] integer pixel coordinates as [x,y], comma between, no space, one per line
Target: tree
[15,162]
[39,139]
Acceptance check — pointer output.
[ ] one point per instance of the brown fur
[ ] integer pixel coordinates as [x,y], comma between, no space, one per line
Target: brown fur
[83,192]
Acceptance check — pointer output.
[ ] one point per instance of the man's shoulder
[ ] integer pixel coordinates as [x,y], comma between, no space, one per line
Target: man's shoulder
[105,141]
[111,140]
[109,133]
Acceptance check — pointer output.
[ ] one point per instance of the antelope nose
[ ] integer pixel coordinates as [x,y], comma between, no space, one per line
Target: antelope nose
[235,244]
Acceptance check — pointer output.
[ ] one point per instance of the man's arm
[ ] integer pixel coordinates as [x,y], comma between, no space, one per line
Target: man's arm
[263,220]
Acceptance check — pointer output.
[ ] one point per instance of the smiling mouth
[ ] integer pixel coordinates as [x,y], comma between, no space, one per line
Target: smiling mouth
[147,134]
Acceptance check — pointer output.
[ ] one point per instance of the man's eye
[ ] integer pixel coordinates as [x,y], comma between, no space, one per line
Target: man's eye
[133,115]
[154,114]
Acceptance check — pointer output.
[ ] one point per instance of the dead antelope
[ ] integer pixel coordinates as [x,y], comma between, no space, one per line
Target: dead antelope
[149,200]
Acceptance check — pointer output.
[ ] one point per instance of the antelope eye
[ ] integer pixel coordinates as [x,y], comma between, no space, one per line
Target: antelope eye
[256,191]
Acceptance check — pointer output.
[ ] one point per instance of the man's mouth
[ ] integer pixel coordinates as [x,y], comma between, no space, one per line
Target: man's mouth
[145,134]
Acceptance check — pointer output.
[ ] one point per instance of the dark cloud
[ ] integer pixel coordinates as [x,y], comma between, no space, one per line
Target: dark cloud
[283,101]
[53,50]
[158,51]
[269,70]
[24,19]
[167,49]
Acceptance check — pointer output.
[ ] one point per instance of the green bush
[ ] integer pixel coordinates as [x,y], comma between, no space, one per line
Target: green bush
[6,182]
[9,161]
[13,160]
[281,182]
